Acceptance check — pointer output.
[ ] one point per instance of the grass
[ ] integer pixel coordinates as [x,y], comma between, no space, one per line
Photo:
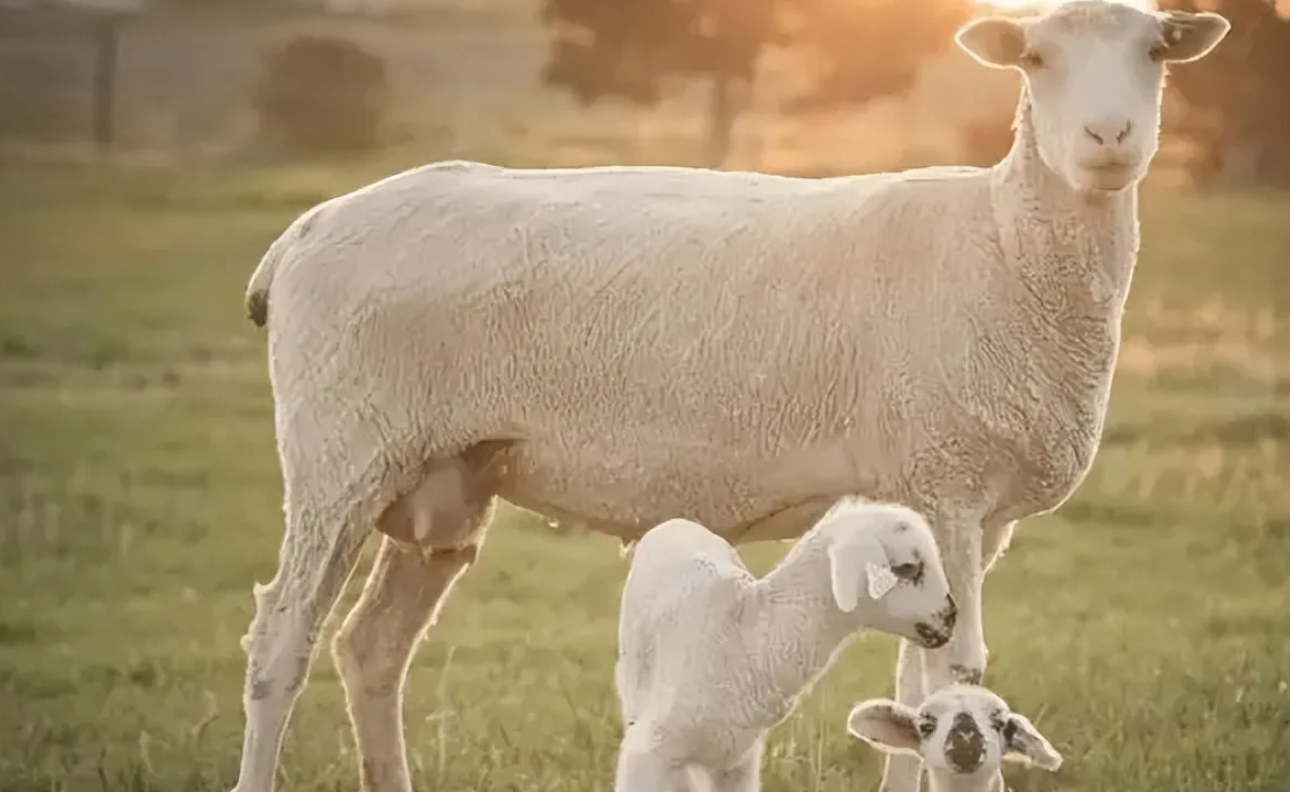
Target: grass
[1143,627]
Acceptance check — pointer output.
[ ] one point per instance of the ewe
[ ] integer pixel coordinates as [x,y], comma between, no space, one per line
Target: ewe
[619,346]
[709,657]
[962,733]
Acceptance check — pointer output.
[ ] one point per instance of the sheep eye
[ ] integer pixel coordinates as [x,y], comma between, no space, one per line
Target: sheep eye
[912,571]
[1159,51]
[1031,60]
[926,727]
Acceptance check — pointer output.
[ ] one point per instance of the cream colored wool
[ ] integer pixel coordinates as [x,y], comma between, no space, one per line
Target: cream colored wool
[620,346]
[710,657]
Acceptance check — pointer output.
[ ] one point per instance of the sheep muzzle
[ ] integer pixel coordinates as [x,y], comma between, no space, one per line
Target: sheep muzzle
[964,744]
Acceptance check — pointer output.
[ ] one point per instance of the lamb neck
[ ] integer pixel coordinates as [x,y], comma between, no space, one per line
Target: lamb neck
[799,627]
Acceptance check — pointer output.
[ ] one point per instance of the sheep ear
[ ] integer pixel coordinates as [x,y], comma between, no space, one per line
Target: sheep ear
[850,557]
[1026,744]
[1189,37]
[994,41]
[886,725]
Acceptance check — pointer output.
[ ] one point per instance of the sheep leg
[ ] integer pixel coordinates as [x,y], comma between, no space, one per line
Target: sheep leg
[745,776]
[901,773]
[405,591]
[964,658]
[642,771]
[315,560]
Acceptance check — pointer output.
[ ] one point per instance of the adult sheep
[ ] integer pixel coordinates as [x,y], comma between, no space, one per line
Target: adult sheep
[620,346]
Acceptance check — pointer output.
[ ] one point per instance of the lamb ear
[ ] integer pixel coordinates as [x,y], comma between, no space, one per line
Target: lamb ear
[847,559]
[886,725]
[1026,744]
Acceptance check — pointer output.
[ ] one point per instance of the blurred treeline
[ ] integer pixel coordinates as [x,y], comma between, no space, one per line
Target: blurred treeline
[333,87]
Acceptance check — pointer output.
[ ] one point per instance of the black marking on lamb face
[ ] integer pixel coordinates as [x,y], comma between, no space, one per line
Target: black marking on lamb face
[913,571]
[964,744]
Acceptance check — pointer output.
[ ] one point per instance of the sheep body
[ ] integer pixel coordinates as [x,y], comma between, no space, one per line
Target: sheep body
[647,342]
[710,657]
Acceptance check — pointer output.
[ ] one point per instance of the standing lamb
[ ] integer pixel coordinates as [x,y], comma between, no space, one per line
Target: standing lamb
[619,346]
[962,734]
[710,658]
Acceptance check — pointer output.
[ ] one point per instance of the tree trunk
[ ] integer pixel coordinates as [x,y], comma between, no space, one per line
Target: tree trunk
[722,112]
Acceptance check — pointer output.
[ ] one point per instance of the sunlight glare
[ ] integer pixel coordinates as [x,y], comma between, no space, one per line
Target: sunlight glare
[1146,5]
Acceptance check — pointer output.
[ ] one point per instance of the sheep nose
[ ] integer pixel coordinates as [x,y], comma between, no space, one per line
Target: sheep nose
[964,744]
[1109,131]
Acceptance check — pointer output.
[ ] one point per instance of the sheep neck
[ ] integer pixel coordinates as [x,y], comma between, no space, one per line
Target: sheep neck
[1075,252]
[799,626]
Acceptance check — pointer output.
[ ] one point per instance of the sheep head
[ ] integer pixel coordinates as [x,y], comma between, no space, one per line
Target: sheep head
[962,733]
[1093,73]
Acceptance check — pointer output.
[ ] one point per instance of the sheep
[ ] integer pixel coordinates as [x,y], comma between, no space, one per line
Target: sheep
[962,733]
[710,658]
[616,346]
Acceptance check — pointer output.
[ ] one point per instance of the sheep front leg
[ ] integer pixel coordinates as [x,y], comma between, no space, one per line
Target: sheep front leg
[900,772]
[643,771]
[964,658]
[745,776]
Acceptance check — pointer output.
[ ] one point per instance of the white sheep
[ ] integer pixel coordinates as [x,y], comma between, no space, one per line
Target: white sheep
[961,733]
[710,658]
[619,346]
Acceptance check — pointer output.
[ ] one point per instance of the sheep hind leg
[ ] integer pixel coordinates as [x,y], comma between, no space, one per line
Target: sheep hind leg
[433,535]
[902,773]
[315,561]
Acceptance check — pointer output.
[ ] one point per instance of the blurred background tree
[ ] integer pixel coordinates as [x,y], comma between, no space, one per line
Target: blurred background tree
[863,50]
[1238,98]
[629,49]
[323,94]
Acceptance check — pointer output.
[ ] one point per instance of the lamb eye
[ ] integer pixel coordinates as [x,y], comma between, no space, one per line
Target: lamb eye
[926,727]
[1031,60]
[1159,51]
[912,571]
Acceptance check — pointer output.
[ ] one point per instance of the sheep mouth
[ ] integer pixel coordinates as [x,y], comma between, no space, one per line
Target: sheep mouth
[929,637]
[1110,176]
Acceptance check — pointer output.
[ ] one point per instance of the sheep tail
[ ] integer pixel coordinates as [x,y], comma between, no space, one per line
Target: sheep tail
[257,290]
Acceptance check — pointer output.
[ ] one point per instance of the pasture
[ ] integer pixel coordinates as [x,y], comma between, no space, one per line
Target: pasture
[1143,627]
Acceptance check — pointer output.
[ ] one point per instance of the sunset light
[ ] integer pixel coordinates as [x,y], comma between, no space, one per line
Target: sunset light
[1046,4]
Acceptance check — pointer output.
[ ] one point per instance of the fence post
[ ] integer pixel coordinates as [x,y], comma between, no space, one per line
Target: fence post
[105,80]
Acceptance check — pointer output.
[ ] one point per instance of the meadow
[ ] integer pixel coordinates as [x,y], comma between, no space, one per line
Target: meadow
[1143,626]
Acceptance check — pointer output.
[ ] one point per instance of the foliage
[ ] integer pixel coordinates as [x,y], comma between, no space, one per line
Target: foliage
[324,94]
[863,50]
[1238,97]
[626,48]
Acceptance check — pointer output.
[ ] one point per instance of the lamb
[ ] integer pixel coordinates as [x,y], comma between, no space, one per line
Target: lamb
[962,733]
[618,346]
[709,657]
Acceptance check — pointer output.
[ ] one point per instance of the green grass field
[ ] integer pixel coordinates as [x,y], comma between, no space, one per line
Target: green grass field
[1144,627]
